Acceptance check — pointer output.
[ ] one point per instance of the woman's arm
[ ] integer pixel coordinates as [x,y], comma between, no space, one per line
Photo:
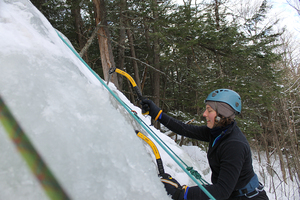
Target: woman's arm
[196,132]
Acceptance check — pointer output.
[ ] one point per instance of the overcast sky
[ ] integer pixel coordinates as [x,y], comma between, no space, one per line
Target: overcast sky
[281,10]
[288,15]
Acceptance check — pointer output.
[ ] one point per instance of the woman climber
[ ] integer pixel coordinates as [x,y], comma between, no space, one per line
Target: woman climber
[229,153]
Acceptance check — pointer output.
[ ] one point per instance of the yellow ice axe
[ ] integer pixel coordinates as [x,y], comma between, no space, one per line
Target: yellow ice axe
[133,83]
[155,151]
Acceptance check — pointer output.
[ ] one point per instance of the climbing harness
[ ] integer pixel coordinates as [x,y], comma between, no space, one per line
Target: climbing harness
[251,190]
[188,170]
[30,155]
[155,151]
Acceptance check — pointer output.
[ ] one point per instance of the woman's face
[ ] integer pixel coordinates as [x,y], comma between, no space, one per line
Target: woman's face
[210,115]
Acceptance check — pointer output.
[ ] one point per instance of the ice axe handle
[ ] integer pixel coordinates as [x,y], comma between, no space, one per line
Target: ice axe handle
[145,110]
[160,166]
[155,151]
[134,85]
[138,93]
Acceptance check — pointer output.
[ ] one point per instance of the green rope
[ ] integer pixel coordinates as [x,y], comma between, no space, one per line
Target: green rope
[141,122]
[197,175]
[30,155]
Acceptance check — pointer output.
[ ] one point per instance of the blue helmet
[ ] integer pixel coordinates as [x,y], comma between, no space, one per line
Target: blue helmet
[227,96]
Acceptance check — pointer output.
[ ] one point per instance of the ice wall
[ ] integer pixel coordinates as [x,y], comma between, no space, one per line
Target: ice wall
[69,117]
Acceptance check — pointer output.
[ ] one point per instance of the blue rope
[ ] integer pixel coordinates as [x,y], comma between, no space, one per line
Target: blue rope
[146,128]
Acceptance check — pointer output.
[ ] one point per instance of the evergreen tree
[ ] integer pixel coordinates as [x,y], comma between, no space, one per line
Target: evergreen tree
[209,54]
[195,47]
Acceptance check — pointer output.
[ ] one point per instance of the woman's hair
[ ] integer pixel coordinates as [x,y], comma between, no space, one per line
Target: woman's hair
[221,121]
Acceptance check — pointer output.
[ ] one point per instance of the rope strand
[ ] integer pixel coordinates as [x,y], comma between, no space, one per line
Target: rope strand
[30,155]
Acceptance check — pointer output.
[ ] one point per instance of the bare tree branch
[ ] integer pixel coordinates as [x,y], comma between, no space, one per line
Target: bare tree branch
[294,4]
[146,64]
[89,42]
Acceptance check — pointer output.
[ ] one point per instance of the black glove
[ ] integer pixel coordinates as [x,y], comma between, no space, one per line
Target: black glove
[173,187]
[149,108]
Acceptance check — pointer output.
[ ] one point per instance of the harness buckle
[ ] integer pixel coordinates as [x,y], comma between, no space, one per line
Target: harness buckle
[257,190]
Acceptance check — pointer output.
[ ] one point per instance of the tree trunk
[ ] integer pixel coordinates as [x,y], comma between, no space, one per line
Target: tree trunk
[148,43]
[132,49]
[156,74]
[294,139]
[217,15]
[78,25]
[122,38]
[107,58]
[278,146]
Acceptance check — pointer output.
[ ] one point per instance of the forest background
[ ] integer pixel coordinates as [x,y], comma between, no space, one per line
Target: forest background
[178,54]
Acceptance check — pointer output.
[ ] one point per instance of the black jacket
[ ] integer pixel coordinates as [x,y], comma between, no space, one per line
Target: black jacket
[229,158]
